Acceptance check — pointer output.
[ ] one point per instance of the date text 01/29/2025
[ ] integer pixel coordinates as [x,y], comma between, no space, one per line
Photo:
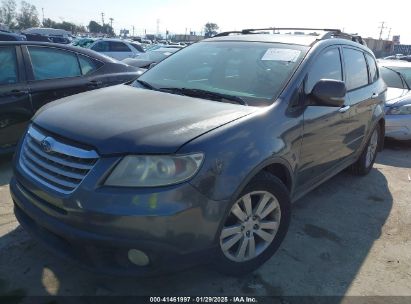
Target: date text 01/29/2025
[203,300]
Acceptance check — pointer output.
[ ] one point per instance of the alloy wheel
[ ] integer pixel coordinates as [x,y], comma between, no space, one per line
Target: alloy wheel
[251,226]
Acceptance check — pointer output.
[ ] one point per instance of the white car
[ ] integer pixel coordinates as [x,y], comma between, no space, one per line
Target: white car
[117,48]
[397,76]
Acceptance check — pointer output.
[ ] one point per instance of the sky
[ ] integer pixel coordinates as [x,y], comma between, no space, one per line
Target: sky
[177,16]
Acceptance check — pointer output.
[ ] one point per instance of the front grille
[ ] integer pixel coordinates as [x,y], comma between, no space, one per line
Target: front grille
[55,164]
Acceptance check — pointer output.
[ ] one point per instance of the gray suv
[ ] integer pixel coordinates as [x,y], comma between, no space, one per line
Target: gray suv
[201,157]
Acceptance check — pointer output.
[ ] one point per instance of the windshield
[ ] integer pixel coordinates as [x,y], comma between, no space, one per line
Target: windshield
[405,72]
[254,71]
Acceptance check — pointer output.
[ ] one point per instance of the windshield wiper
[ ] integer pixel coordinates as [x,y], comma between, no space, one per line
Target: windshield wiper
[206,94]
[146,84]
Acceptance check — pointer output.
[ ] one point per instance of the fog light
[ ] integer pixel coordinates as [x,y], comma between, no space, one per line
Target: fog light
[137,257]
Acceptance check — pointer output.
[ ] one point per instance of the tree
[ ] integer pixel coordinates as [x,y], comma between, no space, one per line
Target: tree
[210,29]
[94,27]
[28,16]
[8,13]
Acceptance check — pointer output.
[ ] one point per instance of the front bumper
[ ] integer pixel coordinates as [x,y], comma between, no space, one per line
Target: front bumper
[96,226]
[398,127]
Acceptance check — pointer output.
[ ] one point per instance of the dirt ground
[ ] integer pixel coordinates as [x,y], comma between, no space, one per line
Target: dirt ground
[350,236]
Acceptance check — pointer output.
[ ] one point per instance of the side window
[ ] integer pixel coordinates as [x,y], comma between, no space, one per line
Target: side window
[8,64]
[138,47]
[391,78]
[88,65]
[118,47]
[372,67]
[101,46]
[326,66]
[50,63]
[356,69]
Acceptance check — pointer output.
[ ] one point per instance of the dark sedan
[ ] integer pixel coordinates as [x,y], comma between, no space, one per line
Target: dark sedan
[34,73]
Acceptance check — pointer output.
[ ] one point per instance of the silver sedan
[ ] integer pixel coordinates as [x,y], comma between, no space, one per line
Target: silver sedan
[397,76]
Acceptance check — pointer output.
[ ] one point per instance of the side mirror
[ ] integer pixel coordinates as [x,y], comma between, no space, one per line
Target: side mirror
[330,93]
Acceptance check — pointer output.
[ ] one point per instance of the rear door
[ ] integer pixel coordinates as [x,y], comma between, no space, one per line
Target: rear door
[53,73]
[15,106]
[325,128]
[363,92]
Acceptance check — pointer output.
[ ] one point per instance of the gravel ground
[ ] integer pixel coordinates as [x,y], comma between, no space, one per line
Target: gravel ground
[349,237]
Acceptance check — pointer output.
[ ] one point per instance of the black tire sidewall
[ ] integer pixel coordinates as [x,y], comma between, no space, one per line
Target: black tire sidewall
[362,168]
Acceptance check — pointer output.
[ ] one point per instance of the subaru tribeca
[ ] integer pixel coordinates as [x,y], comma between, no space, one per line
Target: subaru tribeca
[201,157]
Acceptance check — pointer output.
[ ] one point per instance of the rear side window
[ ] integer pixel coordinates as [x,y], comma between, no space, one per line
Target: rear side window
[138,47]
[88,65]
[118,47]
[391,78]
[372,66]
[8,65]
[356,69]
[101,46]
[326,66]
[49,63]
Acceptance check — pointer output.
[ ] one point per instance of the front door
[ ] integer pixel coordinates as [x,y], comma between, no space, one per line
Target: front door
[325,128]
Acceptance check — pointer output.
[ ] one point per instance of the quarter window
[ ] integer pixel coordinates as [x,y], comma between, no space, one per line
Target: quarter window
[373,68]
[118,47]
[356,69]
[326,66]
[101,46]
[88,65]
[51,63]
[8,64]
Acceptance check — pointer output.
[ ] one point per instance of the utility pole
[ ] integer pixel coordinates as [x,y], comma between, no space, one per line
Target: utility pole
[158,27]
[382,27]
[42,10]
[133,30]
[389,34]
[102,19]
[111,22]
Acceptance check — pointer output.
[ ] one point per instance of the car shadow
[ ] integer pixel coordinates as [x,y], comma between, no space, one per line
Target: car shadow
[400,153]
[5,169]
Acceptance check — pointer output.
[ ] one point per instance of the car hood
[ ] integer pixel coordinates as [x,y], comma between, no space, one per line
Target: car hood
[125,120]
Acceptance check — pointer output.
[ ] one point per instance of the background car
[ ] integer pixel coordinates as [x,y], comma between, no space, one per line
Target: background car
[153,56]
[117,48]
[397,76]
[33,74]
[8,36]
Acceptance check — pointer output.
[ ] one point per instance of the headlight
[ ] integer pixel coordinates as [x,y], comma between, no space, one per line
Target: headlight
[154,171]
[402,110]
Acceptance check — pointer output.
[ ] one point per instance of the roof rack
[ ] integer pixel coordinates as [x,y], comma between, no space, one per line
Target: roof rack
[328,33]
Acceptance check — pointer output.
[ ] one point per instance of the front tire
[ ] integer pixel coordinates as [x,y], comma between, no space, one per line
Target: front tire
[367,159]
[255,226]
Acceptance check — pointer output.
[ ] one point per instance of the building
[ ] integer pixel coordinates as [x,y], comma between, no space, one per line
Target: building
[381,48]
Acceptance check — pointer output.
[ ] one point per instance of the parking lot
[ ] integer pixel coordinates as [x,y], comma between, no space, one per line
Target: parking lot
[350,236]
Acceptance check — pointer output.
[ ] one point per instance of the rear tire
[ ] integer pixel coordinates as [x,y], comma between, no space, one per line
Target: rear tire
[255,226]
[367,159]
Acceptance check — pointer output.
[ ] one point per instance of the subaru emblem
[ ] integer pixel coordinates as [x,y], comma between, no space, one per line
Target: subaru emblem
[46,145]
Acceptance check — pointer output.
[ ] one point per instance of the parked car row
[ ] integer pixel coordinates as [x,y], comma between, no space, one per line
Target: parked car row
[199,158]
[35,73]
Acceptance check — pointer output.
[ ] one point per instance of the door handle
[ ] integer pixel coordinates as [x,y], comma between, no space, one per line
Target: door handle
[16,93]
[344,109]
[375,95]
[95,83]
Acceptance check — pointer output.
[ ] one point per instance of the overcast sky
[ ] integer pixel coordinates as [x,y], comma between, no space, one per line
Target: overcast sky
[362,16]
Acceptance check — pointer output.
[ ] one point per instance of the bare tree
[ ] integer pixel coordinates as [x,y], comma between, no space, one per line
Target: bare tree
[28,16]
[8,13]
[210,29]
